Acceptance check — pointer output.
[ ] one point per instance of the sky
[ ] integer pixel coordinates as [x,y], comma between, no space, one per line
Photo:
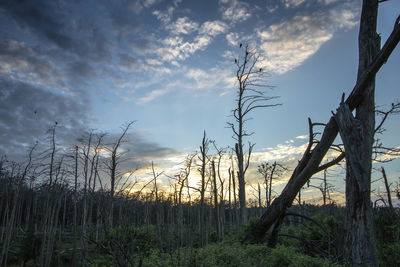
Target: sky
[169,66]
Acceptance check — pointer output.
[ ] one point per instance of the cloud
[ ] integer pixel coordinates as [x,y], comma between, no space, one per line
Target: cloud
[81,69]
[164,17]
[128,62]
[47,21]
[40,17]
[138,5]
[384,155]
[152,95]
[211,79]
[183,26]
[293,3]
[232,38]
[213,28]
[22,62]
[234,10]
[61,48]
[27,112]
[173,49]
[288,44]
[124,23]
[302,136]
[286,151]
[137,147]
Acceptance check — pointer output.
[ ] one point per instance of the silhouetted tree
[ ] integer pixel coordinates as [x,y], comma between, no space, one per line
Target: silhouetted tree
[250,95]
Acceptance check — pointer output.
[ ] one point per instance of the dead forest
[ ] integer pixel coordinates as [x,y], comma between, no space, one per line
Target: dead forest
[77,205]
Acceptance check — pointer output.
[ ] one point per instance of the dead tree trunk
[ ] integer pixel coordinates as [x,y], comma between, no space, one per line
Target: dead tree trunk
[358,137]
[234,197]
[203,187]
[250,96]
[360,248]
[112,167]
[217,210]
[387,187]
[312,157]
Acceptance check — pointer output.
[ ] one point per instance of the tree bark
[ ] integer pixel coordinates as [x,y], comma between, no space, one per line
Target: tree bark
[360,246]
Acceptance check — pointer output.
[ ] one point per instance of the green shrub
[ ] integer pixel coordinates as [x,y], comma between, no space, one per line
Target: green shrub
[253,231]
[258,255]
[389,255]
[128,245]
[290,257]
[387,234]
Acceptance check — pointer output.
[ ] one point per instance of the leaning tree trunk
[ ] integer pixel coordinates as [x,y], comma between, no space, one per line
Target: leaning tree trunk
[360,245]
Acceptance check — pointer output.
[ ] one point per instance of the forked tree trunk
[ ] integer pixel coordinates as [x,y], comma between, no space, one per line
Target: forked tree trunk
[358,137]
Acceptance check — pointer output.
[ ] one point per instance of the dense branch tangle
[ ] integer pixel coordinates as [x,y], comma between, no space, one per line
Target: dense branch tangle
[250,95]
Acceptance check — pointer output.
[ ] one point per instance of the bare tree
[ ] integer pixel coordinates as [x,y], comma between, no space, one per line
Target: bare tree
[112,165]
[204,160]
[250,95]
[324,187]
[270,172]
[221,205]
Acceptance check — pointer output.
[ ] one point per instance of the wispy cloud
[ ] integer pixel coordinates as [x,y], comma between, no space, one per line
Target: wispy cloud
[293,3]
[390,155]
[137,6]
[174,48]
[151,96]
[285,151]
[302,136]
[211,79]
[288,44]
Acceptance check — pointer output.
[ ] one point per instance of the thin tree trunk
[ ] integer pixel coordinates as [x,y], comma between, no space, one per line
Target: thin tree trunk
[234,197]
[75,200]
[388,194]
[230,198]
[215,190]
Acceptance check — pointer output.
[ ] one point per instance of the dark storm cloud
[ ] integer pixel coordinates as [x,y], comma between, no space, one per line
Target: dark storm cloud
[141,147]
[55,53]
[40,17]
[16,57]
[27,112]
[81,69]
[63,26]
